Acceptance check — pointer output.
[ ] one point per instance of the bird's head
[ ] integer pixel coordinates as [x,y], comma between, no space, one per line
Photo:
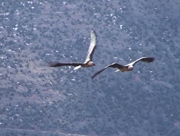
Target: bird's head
[91,63]
[130,67]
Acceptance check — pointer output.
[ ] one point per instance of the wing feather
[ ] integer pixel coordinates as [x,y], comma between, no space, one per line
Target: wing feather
[114,65]
[144,59]
[92,46]
[64,64]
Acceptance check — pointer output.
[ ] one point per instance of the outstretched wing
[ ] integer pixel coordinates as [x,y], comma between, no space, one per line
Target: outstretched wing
[91,47]
[145,59]
[64,64]
[114,65]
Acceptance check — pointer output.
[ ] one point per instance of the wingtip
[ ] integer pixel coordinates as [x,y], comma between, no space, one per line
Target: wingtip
[51,64]
[93,31]
[148,59]
[92,77]
[152,59]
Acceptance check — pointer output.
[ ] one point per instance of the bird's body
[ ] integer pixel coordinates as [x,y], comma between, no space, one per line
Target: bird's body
[85,65]
[128,67]
[88,62]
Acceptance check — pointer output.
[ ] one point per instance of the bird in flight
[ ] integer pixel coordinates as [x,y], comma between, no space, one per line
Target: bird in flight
[128,67]
[88,62]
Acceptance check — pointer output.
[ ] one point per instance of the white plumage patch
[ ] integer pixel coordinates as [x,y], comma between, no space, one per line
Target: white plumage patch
[76,68]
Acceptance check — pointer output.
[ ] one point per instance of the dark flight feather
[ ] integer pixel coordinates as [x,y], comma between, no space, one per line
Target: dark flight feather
[114,65]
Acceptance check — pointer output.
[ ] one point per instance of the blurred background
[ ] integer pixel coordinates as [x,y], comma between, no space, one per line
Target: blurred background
[36,99]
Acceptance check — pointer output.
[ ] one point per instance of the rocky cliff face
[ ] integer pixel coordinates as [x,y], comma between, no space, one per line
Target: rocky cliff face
[36,99]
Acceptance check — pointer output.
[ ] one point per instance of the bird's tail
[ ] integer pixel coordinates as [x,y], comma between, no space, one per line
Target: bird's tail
[117,70]
[77,67]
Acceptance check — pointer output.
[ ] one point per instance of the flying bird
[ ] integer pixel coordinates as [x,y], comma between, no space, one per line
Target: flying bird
[128,67]
[88,61]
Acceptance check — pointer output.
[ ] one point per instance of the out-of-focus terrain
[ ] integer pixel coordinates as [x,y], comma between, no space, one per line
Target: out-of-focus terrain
[36,99]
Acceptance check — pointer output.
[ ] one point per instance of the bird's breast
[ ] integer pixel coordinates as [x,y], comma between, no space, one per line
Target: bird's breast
[126,69]
[89,64]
